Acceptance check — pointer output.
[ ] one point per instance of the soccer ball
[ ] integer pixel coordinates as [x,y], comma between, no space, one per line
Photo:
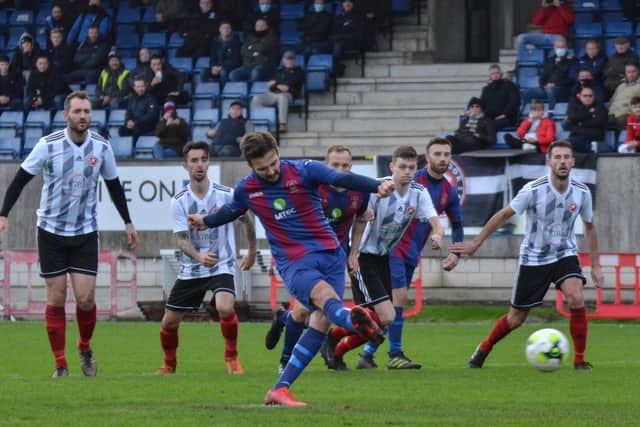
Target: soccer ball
[547,349]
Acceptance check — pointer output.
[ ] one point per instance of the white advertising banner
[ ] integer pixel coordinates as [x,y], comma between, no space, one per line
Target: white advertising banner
[149,190]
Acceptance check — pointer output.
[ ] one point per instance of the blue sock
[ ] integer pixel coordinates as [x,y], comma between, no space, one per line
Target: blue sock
[306,348]
[370,349]
[292,333]
[282,318]
[395,333]
[338,313]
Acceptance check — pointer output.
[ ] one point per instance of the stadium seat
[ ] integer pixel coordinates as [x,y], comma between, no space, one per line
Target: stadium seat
[128,15]
[622,137]
[27,148]
[4,16]
[289,34]
[235,90]
[144,147]
[127,44]
[7,132]
[2,42]
[614,29]
[116,119]
[175,41]
[264,118]
[185,113]
[155,40]
[12,119]
[401,7]
[9,148]
[21,18]
[149,15]
[611,5]
[129,63]
[586,6]
[184,65]
[205,94]
[41,17]
[585,18]
[206,117]
[90,89]
[199,133]
[122,146]
[560,111]
[201,63]
[528,77]
[530,57]
[99,118]
[319,72]
[500,143]
[32,133]
[38,118]
[258,88]
[586,31]
[291,11]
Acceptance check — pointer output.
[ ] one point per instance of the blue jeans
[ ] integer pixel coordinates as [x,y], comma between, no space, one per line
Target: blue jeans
[160,152]
[257,73]
[538,39]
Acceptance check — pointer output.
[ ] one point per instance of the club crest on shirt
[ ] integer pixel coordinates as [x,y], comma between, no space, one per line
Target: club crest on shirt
[455,176]
[410,211]
[92,160]
[571,206]
[292,186]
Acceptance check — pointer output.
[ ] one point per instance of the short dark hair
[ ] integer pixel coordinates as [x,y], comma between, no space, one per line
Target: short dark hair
[155,56]
[559,144]
[337,148]
[635,100]
[404,152]
[76,94]
[257,144]
[594,41]
[195,145]
[438,141]
[93,27]
[536,104]
[631,64]
[139,78]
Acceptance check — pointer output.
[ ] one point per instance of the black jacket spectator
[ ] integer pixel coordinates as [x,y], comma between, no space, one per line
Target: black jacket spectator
[228,132]
[587,122]
[11,86]
[167,83]
[24,58]
[225,53]
[60,55]
[272,16]
[59,18]
[557,71]
[596,65]
[292,77]
[475,132]
[198,30]
[234,11]
[47,85]
[92,15]
[614,71]
[143,110]
[501,97]
[89,59]
[349,27]
[260,49]
[143,67]
[316,27]
[595,85]
[173,136]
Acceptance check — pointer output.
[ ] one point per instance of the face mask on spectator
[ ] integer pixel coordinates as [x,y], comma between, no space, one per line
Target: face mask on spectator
[264,8]
[318,7]
[560,51]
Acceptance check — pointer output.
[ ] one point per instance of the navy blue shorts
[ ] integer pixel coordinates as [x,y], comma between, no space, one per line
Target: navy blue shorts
[401,273]
[301,276]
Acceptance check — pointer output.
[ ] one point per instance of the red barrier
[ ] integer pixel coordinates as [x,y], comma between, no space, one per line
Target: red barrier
[276,282]
[618,309]
[36,306]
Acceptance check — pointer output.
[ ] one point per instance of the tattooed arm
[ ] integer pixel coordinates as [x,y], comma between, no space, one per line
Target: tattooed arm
[184,243]
[250,230]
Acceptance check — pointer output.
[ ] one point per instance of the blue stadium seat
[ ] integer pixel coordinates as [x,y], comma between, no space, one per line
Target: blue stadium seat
[235,90]
[616,16]
[117,116]
[199,133]
[289,34]
[201,62]
[127,44]
[586,31]
[585,18]
[175,40]
[149,15]
[38,119]
[41,17]
[205,94]
[264,118]
[21,18]
[128,15]
[9,148]
[8,132]
[185,113]
[319,71]
[614,29]
[2,42]
[12,119]
[500,143]
[99,118]
[4,16]
[33,133]
[182,64]
[90,88]
[154,40]
[586,6]
[144,147]
[401,7]
[129,63]
[611,5]
[530,57]
[122,146]
[27,148]
[528,77]
[206,117]
[291,11]
[258,88]
[560,111]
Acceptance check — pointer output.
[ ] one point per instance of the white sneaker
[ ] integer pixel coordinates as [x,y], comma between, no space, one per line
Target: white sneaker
[529,147]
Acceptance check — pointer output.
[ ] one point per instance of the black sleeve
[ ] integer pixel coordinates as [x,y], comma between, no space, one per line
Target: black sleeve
[119,200]
[15,188]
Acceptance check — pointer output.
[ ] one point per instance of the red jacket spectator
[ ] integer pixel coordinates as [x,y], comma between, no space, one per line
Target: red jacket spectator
[633,129]
[545,134]
[555,19]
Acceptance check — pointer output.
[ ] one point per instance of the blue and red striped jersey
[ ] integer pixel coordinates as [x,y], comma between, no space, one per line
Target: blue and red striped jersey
[445,199]
[341,207]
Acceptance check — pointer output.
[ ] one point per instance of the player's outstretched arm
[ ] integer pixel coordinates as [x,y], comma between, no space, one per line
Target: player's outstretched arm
[116,192]
[207,259]
[250,230]
[592,241]
[223,216]
[21,179]
[497,220]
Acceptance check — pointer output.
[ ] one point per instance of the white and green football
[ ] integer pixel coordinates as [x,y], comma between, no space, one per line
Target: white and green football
[547,349]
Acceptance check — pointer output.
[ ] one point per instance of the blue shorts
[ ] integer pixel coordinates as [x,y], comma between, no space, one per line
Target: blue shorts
[301,276]
[401,273]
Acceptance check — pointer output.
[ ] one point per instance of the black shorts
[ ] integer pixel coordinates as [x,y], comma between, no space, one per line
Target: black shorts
[187,295]
[372,283]
[532,281]
[61,254]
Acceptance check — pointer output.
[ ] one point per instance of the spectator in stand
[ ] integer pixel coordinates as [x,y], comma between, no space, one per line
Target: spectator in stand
[555,80]
[60,55]
[234,11]
[587,121]
[555,17]
[46,88]
[171,14]
[283,89]
[93,15]
[24,58]
[614,72]
[142,112]
[632,140]
[630,9]
[377,14]
[224,55]
[228,132]
[167,82]
[143,67]
[593,60]
[198,30]
[259,54]
[113,87]
[348,33]
[11,87]
[475,132]
[266,11]
[173,132]
[89,59]
[620,101]
[585,78]
[316,29]
[59,19]
[535,133]
[501,99]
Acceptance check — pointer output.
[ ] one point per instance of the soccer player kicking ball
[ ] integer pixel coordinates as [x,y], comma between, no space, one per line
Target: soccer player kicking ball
[208,260]
[71,160]
[393,216]
[548,253]
[284,196]
[404,257]
[341,207]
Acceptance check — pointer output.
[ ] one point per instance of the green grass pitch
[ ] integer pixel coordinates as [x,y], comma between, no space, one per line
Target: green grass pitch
[444,393]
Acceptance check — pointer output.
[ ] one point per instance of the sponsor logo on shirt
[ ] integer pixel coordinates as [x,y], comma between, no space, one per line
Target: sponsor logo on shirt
[280,205]
[76,186]
[256,194]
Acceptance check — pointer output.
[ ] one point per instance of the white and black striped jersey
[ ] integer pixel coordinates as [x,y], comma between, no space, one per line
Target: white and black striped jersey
[550,219]
[393,215]
[218,240]
[68,202]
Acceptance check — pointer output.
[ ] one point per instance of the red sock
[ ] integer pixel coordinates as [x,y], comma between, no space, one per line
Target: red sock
[56,324]
[229,328]
[339,332]
[86,325]
[349,343]
[169,342]
[376,318]
[500,330]
[578,328]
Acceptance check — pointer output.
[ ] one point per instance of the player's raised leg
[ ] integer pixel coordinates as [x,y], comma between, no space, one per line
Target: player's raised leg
[55,321]
[278,323]
[572,288]
[225,305]
[503,326]
[84,288]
